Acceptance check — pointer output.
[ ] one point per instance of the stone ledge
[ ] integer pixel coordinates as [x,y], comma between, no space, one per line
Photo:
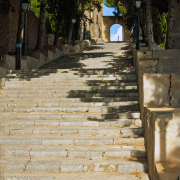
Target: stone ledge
[37,58]
[161,126]
[167,171]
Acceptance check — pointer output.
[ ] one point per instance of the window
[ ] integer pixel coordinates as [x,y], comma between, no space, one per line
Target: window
[92,14]
[97,18]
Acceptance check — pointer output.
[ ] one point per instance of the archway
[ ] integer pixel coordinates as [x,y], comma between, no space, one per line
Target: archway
[116,33]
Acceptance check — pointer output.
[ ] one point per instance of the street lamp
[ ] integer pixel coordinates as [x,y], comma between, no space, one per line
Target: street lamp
[99,31]
[73,21]
[138,44]
[25,7]
[89,30]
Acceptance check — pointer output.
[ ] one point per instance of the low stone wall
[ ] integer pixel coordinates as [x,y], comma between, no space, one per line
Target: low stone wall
[37,58]
[162,134]
[158,79]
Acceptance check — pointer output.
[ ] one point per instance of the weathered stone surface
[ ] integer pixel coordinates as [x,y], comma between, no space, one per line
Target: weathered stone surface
[18,152]
[71,168]
[29,178]
[16,165]
[156,89]
[140,167]
[43,166]
[48,152]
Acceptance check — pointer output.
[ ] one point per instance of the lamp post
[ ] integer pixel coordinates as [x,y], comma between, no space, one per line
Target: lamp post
[25,7]
[99,31]
[73,21]
[89,30]
[138,44]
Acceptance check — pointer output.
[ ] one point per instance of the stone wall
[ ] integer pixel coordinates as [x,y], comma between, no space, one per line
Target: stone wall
[37,58]
[158,79]
[9,28]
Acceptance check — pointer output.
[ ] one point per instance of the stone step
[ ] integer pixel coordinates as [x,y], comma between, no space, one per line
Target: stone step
[79,71]
[93,109]
[89,116]
[69,95]
[64,104]
[93,131]
[61,88]
[81,79]
[73,84]
[106,151]
[69,164]
[76,176]
[75,140]
[133,97]
[57,91]
[74,75]
[69,123]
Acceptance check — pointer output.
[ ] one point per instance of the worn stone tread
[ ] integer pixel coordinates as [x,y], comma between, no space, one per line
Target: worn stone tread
[68,164]
[77,176]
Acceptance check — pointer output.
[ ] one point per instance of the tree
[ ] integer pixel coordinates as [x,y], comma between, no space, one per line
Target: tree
[149,24]
[41,28]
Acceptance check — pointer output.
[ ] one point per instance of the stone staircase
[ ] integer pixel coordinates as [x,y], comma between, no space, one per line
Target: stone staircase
[71,124]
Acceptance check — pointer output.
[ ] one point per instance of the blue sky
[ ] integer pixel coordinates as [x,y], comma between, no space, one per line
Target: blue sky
[116,29]
[108,11]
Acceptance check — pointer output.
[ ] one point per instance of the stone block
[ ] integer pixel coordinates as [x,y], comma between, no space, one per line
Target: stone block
[65,131]
[156,89]
[129,141]
[47,123]
[117,154]
[71,168]
[132,131]
[97,167]
[90,123]
[88,132]
[20,132]
[137,153]
[175,90]
[48,152]
[23,141]
[16,165]
[55,141]
[139,167]
[9,61]
[18,152]
[52,166]
[70,123]
[108,132]
[42,131]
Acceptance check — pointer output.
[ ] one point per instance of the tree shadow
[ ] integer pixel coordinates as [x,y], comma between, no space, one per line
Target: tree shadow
[115,85]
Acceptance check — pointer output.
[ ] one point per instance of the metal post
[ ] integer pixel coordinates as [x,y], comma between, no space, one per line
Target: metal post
[89,31]
[24,37]
[138,44]
[73,34]
[99,32]
[18,56]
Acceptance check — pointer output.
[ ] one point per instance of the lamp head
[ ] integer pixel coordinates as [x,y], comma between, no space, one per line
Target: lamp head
[25,5]
[99,24]
[138,3]
[73,21]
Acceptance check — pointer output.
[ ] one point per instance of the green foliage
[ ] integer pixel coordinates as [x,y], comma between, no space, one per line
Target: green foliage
[35,7]
[160,26]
